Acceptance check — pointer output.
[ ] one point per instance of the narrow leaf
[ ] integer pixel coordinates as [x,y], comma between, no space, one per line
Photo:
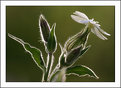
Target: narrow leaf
[52,43]
[35,53]
[84,50]
[81,71]
[61,57]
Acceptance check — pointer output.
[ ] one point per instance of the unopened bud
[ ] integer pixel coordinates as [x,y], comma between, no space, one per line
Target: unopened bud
[73,55]
[77,40]
[44,28]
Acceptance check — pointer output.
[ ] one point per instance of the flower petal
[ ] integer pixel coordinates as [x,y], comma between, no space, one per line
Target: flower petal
[82,15]
[102,30]
[79,19]
[97,33]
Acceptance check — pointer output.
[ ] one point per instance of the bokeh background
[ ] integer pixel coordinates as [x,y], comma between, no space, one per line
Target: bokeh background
[22,22]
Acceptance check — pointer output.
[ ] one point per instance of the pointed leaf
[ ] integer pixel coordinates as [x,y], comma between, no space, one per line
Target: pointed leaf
[61,57]
[35,53]
[84,50]
[52,43]
[81,71]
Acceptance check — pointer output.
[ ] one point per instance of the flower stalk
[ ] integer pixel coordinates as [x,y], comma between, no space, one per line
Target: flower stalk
[49,66]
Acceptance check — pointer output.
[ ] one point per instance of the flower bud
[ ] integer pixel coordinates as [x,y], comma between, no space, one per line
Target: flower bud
[73,55]
[44,28]
[77,40]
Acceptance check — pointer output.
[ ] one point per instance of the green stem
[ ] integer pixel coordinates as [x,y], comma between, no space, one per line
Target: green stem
[49,67]
[54,71]
[43,77]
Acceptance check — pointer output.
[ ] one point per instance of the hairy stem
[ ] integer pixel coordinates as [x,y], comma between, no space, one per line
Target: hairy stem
[49,67]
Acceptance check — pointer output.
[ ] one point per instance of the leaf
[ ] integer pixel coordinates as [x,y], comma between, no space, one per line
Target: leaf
[52,43]
[62,57]
[81,71]
[84,50]
[35,53]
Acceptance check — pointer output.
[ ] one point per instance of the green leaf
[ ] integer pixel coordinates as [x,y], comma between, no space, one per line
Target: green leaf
[62,57]
[35,53]
[52,43]
[81,71]
[62,60]
[84,50]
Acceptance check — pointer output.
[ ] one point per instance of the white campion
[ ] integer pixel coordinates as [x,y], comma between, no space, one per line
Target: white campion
[93,25]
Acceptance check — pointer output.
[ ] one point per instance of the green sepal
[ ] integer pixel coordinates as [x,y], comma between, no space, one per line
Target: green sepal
[35,52]
[52,43]
[81,71]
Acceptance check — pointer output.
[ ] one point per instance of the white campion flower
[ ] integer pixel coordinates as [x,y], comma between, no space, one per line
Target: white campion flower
[93,25]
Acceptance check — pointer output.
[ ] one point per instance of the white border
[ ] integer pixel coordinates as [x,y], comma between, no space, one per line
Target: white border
[61,3]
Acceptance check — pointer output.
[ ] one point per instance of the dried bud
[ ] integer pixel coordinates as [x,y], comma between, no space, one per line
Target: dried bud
[44,28]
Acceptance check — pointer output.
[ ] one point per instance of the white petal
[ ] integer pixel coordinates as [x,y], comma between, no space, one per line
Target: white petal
[97,25]
[96,32]
[102,30]
[84,21]
[82,15]
[79,20]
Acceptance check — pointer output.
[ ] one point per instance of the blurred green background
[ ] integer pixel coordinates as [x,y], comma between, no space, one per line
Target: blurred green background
[22,22]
